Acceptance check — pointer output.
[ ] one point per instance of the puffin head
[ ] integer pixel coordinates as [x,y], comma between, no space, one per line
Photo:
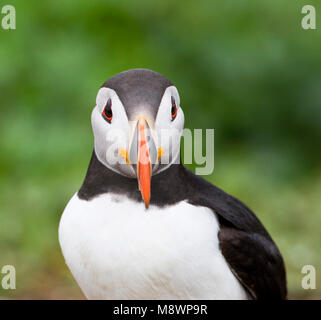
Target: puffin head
[137,124]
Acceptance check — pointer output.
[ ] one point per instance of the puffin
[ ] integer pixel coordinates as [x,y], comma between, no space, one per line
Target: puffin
[143,226]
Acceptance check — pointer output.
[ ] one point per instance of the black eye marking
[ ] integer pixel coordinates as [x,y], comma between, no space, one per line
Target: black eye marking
[107,112]
[174,108]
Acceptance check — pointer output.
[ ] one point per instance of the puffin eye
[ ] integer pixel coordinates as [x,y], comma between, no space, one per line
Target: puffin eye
[174,108]
[107,112]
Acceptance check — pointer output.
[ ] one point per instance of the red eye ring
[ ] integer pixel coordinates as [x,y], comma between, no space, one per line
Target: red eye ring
[174,108]
[107,112]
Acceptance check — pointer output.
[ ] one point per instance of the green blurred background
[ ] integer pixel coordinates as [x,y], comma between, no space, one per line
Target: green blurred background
[245,68]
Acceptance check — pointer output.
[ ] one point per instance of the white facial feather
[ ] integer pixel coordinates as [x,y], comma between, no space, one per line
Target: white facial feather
[169,131]
[110,137]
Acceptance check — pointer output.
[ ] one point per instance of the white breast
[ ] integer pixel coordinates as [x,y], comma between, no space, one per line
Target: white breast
[116,249]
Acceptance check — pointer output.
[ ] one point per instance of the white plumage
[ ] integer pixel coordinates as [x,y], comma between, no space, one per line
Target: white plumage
[116,249]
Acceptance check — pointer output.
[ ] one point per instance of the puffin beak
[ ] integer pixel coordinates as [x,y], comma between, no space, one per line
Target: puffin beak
[144,165]
[142,152]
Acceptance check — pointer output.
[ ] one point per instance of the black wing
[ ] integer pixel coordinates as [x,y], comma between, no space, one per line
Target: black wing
[246,245]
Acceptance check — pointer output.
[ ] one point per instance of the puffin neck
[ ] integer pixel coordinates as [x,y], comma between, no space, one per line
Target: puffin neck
[167,186]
